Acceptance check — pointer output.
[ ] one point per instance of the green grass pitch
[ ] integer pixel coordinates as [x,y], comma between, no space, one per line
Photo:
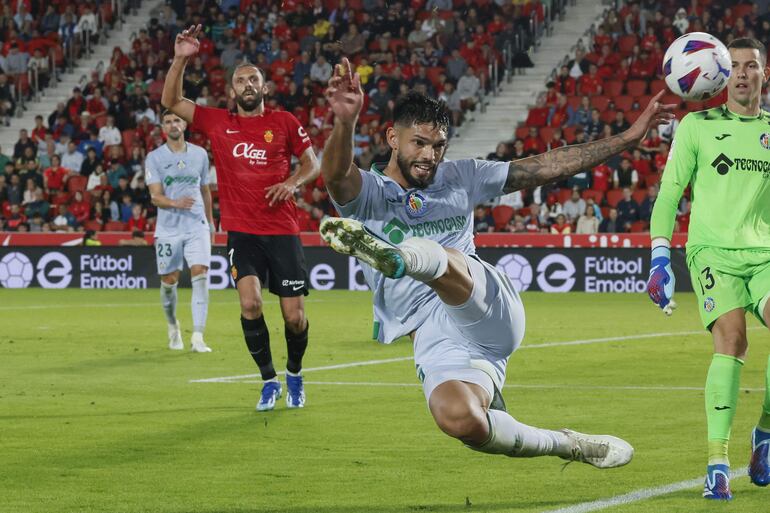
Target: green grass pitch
[96,415]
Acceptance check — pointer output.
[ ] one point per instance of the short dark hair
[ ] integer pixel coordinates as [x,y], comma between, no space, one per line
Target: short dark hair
[752,44]
[416,109]
[248,65]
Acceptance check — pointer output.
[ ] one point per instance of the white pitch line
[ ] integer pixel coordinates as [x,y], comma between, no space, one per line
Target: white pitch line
[122,305]
[658,388]
[227,379]
[532,346]
[639,495]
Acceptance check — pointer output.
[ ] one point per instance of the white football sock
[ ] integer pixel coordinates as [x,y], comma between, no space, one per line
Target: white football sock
[425,259]
[512,438]
[200,302]
[168,300]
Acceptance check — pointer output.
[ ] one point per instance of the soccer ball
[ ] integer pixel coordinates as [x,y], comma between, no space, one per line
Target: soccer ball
[696,66]
[15,271]
[518,270]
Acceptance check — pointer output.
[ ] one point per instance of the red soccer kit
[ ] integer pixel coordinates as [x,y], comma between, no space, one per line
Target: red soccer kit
[251,154]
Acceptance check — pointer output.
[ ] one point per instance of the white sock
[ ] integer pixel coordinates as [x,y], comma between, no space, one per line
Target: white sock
[200,302]
[168,300]
[512,438]
[425,259]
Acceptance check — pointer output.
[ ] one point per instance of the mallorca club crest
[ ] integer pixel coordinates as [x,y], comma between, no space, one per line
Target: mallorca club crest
[416,204]
[709,304]
[764,140]
[268,136]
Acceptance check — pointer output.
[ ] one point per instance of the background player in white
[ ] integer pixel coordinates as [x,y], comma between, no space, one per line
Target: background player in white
[464,316]
[178,177]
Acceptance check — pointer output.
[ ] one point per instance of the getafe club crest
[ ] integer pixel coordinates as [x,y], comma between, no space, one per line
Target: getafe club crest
[764,140]
[709,304]
[416,204]
[268,136]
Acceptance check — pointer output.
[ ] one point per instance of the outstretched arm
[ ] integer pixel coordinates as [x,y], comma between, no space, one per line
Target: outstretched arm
[340,174]
[561,163]
[185,46]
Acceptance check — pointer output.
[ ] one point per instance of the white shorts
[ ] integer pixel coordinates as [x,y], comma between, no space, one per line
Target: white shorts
[194,247]
[471,342]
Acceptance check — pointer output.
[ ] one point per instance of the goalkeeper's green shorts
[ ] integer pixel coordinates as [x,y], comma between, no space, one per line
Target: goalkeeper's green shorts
[726,279]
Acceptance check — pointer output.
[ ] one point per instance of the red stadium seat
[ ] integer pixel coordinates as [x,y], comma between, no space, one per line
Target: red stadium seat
[624,102]
[574,101]
[613,88]
[605,211]
[563,195]
[93,225]
[694,106]
[671,98]
[633,115]
[636,88]
[115,226]
[61,198]
[658,85]
[569,133]
[600,102]
[546,133]
[639,195]
[128,140]
[608,116]
[639,226]
[651,179]
[77,183]
[597,196]
[433,73]
[522,132]
[613,196]
[626,44]
[502,214]
[742,10]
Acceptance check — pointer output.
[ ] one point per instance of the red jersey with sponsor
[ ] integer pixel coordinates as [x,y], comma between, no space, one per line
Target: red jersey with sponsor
[251,154]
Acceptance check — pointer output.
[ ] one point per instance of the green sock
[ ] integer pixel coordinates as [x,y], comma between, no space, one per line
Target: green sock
[722,384]
[764,419]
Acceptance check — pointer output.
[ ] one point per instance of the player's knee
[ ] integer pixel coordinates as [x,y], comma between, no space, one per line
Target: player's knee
[251,307]
[735,343]
[461,420]
[295,320]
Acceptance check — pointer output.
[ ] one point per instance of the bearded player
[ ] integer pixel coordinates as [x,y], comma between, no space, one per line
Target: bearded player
[252,152]
[411,224]
[723,154]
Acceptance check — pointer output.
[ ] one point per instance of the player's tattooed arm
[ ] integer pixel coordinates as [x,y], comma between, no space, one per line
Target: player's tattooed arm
[561,163]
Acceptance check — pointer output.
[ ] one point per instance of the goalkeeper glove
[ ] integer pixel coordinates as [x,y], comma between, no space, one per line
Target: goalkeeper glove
[660,285]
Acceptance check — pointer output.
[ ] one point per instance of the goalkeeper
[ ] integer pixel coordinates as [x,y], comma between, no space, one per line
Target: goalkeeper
[724,155]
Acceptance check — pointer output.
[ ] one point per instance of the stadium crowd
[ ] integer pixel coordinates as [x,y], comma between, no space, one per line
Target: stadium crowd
[81,168]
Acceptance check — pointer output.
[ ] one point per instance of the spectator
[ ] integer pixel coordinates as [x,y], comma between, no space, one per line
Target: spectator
[456,66]
[30,192]
[24,142]
[92,143]
[557,141]
[90,238]
[80,208]
[582,115]
[76,104]
[620,124]
[564,83]
[561,226]
[600,178]
[625,175]
[452,100]
[303,68]
[574,207]
[591,84]
[50,21]
[501,153]
[579,65]
[137,239]
[597,211]
[353,42]
[482,220]
[16,65]
[595,126]
[381,99]
[125,208]
[588,223]
[628,209]
[321,71]
[14,191]
[533,143]
[645,209]
[89,164]
[73,159]
[7,101]
[533,222]
[610,224]
[55,177]
[109,135]
[16,218]
[681,23]
[36,224]
[561,114]
[468,88]
[64,221]
[138,220]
